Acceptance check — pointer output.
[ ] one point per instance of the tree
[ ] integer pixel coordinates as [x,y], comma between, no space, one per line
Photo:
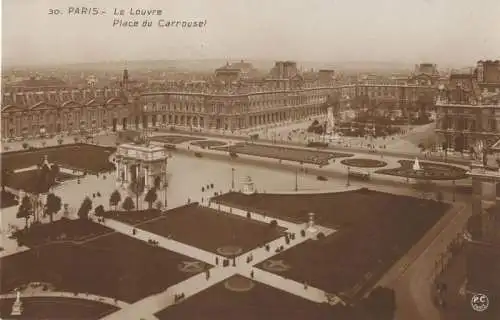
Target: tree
[137,188]
[115,198]
[99,211]
[128,204]
[83,212]
[157,182]
[6,174]
[151,197]
[54,172]
[52,206]
[25,210]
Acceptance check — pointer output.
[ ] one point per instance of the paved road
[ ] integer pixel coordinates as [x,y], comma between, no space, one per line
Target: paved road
[412,277]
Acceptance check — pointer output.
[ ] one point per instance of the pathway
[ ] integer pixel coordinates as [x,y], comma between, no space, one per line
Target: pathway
[62,294]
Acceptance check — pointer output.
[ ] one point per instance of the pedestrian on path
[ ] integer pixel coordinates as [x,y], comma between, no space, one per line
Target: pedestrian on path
[207,274]
[216,261]
[305,286]
[251,274]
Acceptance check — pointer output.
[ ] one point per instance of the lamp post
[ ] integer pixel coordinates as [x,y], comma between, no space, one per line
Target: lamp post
[296,179]
[453,190]
[232,178]
[348,183]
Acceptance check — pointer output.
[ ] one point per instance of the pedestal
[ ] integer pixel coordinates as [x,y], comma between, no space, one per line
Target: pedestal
[17,307]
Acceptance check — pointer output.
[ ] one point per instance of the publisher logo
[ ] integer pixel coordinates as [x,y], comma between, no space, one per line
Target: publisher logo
[479,302]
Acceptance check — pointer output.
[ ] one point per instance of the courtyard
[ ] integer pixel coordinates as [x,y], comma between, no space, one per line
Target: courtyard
[110,265]
[374,230]
[211,230]
[284,153]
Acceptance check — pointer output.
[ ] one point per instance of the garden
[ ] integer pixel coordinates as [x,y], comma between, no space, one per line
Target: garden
[63,230]
[83,157]
[112,265]
[363,163]
[374,230]
[174,139]
[260,302]
[56,308]
[430,171]
[211,230]
[284,153]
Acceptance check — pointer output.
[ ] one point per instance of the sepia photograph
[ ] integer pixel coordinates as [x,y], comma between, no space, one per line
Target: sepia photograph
[250,160]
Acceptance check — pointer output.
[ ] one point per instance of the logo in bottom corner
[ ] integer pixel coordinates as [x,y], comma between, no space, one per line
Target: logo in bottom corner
[479,302]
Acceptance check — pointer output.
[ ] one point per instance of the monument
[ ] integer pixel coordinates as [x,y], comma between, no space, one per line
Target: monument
[146,162]
[248,186]
[17,307]
[310,223]
[416,165]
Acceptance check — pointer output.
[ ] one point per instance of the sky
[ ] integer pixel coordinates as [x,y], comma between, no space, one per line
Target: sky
[456,32]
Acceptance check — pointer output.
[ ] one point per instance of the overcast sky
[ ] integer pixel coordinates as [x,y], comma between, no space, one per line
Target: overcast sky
[408,31]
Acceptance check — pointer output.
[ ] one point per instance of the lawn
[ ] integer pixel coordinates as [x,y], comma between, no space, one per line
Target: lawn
[84,157]
[284,153]
[113,265]
[261,302]
[174,139]
[375,229]
[209,229]
[25,180]
[63,230]
[431,171]
[56,308]
[133,217]
[208,143]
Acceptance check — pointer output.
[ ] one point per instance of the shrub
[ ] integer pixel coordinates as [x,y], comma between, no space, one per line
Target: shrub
[273,224]
[99,211]
[320,236]
[128,204]
[25,145]
[303,233]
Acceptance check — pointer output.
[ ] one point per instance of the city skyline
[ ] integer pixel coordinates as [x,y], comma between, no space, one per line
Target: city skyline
[443,32]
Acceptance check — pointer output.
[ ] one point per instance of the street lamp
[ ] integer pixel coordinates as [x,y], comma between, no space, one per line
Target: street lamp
[453,190]
[348,175]
[232,178]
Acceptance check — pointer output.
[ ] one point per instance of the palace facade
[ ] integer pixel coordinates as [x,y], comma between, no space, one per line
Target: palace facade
[230,102]
[468,108]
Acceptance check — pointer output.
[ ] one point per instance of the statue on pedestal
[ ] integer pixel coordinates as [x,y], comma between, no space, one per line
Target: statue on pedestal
[481,152]
[17,307]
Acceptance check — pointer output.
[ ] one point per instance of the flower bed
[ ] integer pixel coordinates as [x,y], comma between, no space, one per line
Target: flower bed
[208,143]
[430,171]
[363,163]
